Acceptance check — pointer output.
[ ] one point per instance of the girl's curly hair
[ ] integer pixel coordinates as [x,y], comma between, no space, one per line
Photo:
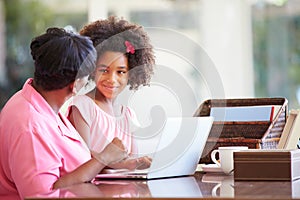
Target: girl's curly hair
[113,34]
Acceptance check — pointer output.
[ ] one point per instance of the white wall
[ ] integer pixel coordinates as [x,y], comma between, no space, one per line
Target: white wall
[97,9]
[226,36]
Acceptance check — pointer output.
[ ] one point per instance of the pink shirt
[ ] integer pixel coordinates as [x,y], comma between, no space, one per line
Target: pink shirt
[104,127]
[36,146]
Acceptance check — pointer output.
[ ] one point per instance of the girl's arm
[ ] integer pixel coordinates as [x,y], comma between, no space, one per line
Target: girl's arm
[80,124]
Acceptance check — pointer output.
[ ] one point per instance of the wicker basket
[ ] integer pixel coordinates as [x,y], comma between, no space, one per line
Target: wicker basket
[254,134]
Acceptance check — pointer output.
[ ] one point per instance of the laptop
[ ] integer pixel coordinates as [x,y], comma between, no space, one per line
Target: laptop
[182,140]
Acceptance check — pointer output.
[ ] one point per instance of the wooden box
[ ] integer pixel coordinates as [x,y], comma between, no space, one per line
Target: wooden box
[254,134]
[264,164]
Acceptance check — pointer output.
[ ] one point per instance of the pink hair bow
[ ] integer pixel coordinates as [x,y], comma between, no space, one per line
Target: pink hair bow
[129,47]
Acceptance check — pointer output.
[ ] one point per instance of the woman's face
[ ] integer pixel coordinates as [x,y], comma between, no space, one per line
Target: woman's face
[111,75]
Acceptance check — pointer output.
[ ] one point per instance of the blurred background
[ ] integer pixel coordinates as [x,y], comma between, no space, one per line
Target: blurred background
[254,45]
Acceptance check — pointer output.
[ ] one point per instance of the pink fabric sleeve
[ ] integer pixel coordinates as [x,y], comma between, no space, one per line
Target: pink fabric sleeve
[35,165]
[84,104]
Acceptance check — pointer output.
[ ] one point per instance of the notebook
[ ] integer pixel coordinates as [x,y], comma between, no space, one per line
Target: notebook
[245,113]
[178,151]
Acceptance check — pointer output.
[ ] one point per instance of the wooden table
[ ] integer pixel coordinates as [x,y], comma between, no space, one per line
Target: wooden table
[201,185]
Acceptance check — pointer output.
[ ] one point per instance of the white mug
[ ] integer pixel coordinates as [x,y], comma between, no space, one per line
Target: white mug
[225,188]
[226,157]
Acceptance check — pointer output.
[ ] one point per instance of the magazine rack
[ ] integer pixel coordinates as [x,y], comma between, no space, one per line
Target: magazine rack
[254,134]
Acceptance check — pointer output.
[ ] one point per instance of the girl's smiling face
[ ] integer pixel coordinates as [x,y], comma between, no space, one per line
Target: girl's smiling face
[111,75]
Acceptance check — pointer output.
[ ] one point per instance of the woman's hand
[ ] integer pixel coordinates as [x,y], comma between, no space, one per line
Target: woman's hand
[133,163]
[114,152]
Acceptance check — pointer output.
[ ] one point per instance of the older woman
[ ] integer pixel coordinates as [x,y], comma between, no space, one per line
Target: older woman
[39,148]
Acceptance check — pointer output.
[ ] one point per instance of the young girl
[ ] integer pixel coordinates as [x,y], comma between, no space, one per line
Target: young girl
[125,57]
